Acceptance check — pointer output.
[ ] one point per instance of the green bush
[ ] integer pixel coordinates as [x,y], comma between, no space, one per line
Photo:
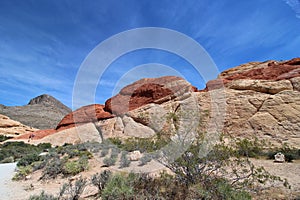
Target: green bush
[249,148]
[19,150]
[9,159]
[118,188]
[22,172]
[110,161]
[75,167]
[28,159]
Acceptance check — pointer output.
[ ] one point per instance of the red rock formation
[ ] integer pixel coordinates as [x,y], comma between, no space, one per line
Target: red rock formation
[272,71]
[145,91]
[83,115]
[37,134]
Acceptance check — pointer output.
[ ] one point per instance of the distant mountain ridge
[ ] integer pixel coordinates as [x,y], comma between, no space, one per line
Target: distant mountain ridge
[42,112]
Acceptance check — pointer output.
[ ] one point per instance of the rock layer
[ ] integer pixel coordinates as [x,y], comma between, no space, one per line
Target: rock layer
[146,91]
[11,128]
[257,99]
[83,115]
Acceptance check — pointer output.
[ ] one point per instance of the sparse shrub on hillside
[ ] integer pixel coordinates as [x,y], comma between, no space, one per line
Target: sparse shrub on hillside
[43,196]
[104,152]
[143,144]
[53,168]
[18,150]
[100,180]
[110,161]
[118,188]
[22,173]
[249,148]
[124,161]
[76,166]
[28,159]
[72,191]
[145,159]
[115,152]
[116,141]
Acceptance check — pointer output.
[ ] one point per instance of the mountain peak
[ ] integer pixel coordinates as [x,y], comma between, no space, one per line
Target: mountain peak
[43,99]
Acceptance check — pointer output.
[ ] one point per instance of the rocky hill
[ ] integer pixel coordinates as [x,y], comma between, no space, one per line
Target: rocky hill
[42,112]
[257,99]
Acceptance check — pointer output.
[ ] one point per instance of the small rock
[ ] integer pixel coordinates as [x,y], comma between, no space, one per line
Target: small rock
[135,156]
[73,178]
[279,157]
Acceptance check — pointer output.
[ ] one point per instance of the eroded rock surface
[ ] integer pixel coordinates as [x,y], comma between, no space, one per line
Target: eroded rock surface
[12,128]
[83,115]
[146,91]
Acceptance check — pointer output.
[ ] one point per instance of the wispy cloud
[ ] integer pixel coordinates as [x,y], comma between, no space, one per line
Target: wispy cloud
[295,5]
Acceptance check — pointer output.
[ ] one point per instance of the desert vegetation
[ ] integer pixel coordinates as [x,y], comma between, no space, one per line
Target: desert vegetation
[225,173]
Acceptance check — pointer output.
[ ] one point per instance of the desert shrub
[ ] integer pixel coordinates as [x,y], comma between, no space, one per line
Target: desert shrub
[216,189]
[110,161]
[43,196]
[9,159]
[72,191]
[248,148]
[116,141]
[22,172]
[124,161]
[100,180]
[118,188]
[193,170]
[115,152]
[145,159]
[104,152]
[18,150]
[28,159]
[53,168]
[75,167]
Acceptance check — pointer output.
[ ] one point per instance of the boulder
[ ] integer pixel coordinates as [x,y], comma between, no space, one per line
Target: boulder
[146,91]
[279,157]
[85,114]
[135,156]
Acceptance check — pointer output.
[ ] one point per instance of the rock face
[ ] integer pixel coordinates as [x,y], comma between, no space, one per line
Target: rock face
[13,128]
[262,100]
[85,114]
[42,112]
[146,91]
[257,99]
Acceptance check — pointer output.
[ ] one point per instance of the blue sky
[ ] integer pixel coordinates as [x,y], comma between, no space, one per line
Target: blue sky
[43,43]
